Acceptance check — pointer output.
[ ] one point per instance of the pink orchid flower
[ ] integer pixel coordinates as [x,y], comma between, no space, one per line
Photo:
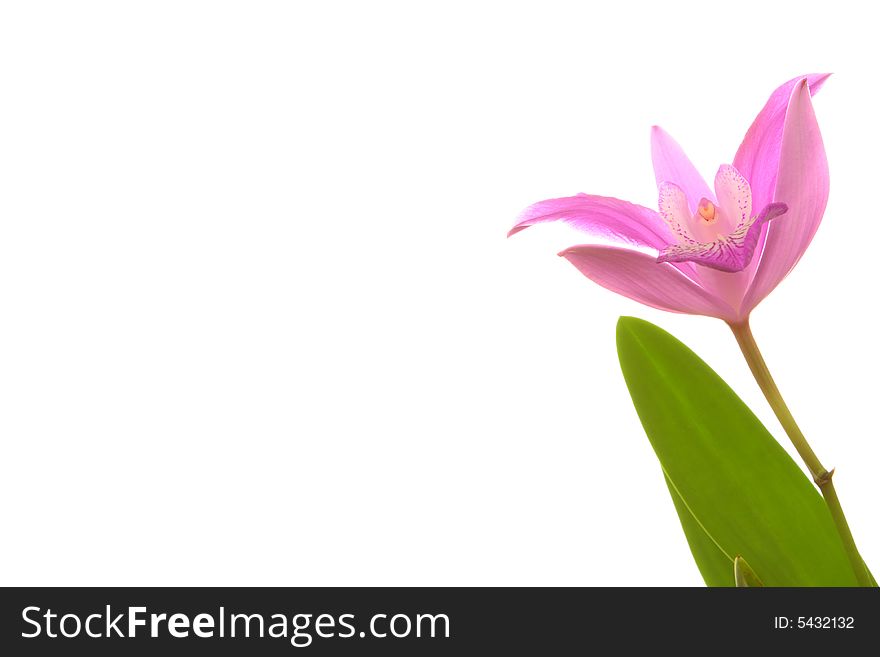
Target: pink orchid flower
[703,253]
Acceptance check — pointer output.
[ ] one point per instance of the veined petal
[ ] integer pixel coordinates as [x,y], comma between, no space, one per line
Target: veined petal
[673,166]
[638,276]
[730,253]
[674,209]
[734,196]
[758,156]
[802,184]
[601,216]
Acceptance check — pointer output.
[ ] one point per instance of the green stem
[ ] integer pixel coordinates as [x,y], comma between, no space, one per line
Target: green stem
[821,476]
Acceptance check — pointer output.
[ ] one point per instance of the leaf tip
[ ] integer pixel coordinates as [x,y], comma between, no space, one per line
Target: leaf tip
[630,327]
[625,323]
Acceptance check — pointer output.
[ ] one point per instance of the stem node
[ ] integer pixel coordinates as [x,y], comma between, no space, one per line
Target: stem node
[824,478]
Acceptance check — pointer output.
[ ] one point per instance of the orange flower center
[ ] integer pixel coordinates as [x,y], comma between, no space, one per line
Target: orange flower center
[706,209]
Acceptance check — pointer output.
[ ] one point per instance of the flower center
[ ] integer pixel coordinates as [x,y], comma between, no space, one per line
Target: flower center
[722,236]
[706,209]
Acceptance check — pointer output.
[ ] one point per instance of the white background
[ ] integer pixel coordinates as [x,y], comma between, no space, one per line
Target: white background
[260,324]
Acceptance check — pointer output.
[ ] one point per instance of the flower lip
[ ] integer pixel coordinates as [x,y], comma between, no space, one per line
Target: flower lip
[728,253]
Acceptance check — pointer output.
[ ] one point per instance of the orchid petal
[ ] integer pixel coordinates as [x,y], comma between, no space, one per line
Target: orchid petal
[758,156]
[730,253]
[734,195]
[674,209]
[601,216]
[638,276]
[671,165]
[803,185]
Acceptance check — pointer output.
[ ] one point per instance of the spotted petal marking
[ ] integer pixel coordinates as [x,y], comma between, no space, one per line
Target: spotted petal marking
[674,209]
[734,195]
[728,253]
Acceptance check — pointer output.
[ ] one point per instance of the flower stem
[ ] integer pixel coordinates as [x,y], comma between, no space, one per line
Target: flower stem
[743,333]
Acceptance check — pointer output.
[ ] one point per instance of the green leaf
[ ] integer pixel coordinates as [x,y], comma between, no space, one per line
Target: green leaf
[733,485]
[744,576]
